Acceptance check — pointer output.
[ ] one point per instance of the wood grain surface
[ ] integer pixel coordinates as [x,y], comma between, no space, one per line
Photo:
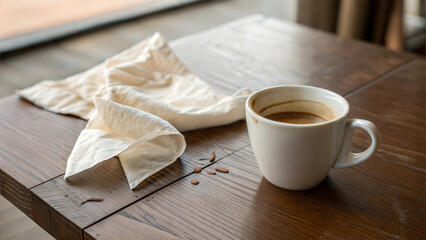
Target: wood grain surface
[382,198]
[349,204]
[34,144]
[399,112]
[15,192]
[107,181]
[254,52]
[55,224]
[258,52]
[132,230]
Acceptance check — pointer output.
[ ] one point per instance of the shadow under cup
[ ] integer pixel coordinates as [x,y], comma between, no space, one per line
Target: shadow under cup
[296,156]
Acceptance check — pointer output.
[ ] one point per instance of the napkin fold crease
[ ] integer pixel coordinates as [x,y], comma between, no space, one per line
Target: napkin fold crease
[136,103]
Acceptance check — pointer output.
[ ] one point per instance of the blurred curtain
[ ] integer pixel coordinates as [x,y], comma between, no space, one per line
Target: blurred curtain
[378,21]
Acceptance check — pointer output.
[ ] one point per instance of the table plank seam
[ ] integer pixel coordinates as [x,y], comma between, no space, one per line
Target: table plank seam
[48,180]
[402,66]
[34,196]
[182,177]
[218,146]
[127,205]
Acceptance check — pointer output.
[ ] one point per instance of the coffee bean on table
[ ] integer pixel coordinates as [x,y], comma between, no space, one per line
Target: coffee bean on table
[92,199]
[213,156]
[195,181]
[197,169]
[222,170]
[211,172]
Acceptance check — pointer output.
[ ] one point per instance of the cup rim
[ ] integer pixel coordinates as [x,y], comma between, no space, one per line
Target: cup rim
[258,117]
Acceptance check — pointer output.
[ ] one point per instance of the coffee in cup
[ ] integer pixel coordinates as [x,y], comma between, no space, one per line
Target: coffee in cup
[304,112]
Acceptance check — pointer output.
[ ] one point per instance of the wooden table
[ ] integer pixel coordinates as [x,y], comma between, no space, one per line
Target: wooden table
[382,198]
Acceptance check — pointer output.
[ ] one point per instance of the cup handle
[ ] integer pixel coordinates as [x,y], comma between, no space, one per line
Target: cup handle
[346,157]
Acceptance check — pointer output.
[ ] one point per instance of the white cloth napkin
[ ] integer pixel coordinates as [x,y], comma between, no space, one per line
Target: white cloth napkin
[136,103]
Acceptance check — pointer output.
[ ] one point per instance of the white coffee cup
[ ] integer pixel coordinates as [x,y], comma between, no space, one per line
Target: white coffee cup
[299,156]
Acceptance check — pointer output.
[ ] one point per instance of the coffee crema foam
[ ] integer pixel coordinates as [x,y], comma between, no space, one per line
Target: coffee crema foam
[298,112]
[296,117]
